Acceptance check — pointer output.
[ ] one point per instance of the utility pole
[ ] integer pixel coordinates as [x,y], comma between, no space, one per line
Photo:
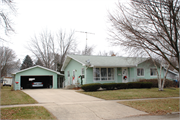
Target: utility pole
[86,39]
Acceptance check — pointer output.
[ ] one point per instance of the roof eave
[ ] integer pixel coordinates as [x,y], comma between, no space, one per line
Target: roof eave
[115,66]
[35,67]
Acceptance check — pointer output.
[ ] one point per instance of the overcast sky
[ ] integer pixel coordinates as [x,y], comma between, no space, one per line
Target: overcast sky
[35,16]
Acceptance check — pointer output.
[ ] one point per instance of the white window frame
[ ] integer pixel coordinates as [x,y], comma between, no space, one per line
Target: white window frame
[100,74]
[153,75]
[74,73]
[68,73]
[82,69]
[141,72]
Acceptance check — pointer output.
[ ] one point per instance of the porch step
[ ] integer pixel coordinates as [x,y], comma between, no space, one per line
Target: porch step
[70,87]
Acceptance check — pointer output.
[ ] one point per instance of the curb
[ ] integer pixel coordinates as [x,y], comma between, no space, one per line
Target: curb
[175,113]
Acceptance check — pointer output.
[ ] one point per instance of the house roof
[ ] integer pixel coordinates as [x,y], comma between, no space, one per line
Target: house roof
[37,66]
[104,61]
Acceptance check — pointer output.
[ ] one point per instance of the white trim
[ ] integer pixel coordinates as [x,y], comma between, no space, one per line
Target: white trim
[39,67]
[123,75]
[137,72]
[171,71]
[68,73]
[81,71]
[75,59]
[150,72]
[100,74]
[68,78]
[62,69]
[144,60]
[36,76]
[74,75]
[114,66]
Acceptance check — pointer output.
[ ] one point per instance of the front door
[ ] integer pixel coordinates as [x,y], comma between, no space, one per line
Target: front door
[124,75]
[74,78]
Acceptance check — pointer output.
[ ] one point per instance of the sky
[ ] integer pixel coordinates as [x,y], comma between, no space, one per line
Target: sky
[35,16]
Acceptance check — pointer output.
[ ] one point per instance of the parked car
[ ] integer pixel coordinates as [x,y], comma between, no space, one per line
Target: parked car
[37,84]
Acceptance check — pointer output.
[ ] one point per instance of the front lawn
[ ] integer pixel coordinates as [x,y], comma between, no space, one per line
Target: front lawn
[33,112]
[155,107]
[9,97]
[133,93]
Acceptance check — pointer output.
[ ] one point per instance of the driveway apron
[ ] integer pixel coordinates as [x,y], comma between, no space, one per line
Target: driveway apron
[69,104]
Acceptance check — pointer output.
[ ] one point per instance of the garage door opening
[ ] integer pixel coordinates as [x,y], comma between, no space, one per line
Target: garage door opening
[28,82]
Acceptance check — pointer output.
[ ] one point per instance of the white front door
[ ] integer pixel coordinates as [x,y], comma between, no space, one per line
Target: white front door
[73,78]
[124,75]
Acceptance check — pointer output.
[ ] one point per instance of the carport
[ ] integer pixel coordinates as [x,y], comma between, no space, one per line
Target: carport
[24,79]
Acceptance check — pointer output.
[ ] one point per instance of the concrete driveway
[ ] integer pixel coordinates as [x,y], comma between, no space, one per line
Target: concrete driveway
[68,105]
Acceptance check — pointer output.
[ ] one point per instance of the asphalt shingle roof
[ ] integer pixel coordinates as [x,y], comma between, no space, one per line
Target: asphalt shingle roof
[105,61]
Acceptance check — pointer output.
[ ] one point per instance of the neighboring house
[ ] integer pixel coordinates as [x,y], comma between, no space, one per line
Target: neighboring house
[37,74]
[7,81]
[108,69]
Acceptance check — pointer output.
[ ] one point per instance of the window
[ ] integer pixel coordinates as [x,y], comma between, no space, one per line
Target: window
[103,74]
[73,73]
[96,73]
[140,72]
[153,72]
[82,71]
[110,74]
[68,73]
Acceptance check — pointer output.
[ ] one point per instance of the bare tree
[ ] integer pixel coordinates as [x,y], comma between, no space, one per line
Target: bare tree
[51,50]
[7,61]
[88,50]
[66,44]
[110,53]
[43,48]
[163,65]
[150,26]
[103,53]
[7,7]
[38,62]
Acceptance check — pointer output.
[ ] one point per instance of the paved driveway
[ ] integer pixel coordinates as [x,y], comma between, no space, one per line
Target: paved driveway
[68,105]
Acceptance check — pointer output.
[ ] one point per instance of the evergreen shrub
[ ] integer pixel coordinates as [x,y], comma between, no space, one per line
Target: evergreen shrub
[109,86]
[121,85]
[91,87]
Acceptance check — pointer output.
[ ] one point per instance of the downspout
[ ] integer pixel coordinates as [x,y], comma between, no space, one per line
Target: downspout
[86,75]
[135,73]
[84,82]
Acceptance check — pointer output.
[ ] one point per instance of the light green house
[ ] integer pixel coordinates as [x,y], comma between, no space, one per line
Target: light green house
[108,69]
[25,78]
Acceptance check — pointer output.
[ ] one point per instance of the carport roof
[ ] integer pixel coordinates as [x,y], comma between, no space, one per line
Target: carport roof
[38,67]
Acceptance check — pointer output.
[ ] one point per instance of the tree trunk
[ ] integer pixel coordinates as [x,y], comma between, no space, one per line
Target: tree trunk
[162,87]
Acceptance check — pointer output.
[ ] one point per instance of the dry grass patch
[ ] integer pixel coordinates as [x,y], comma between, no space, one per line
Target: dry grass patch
[34,112]
[155,107]
[9,97]
[133,93]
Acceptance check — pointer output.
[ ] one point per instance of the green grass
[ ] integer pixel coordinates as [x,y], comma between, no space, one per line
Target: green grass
[9,97]
[133,93]
[33,112]
[154,107]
